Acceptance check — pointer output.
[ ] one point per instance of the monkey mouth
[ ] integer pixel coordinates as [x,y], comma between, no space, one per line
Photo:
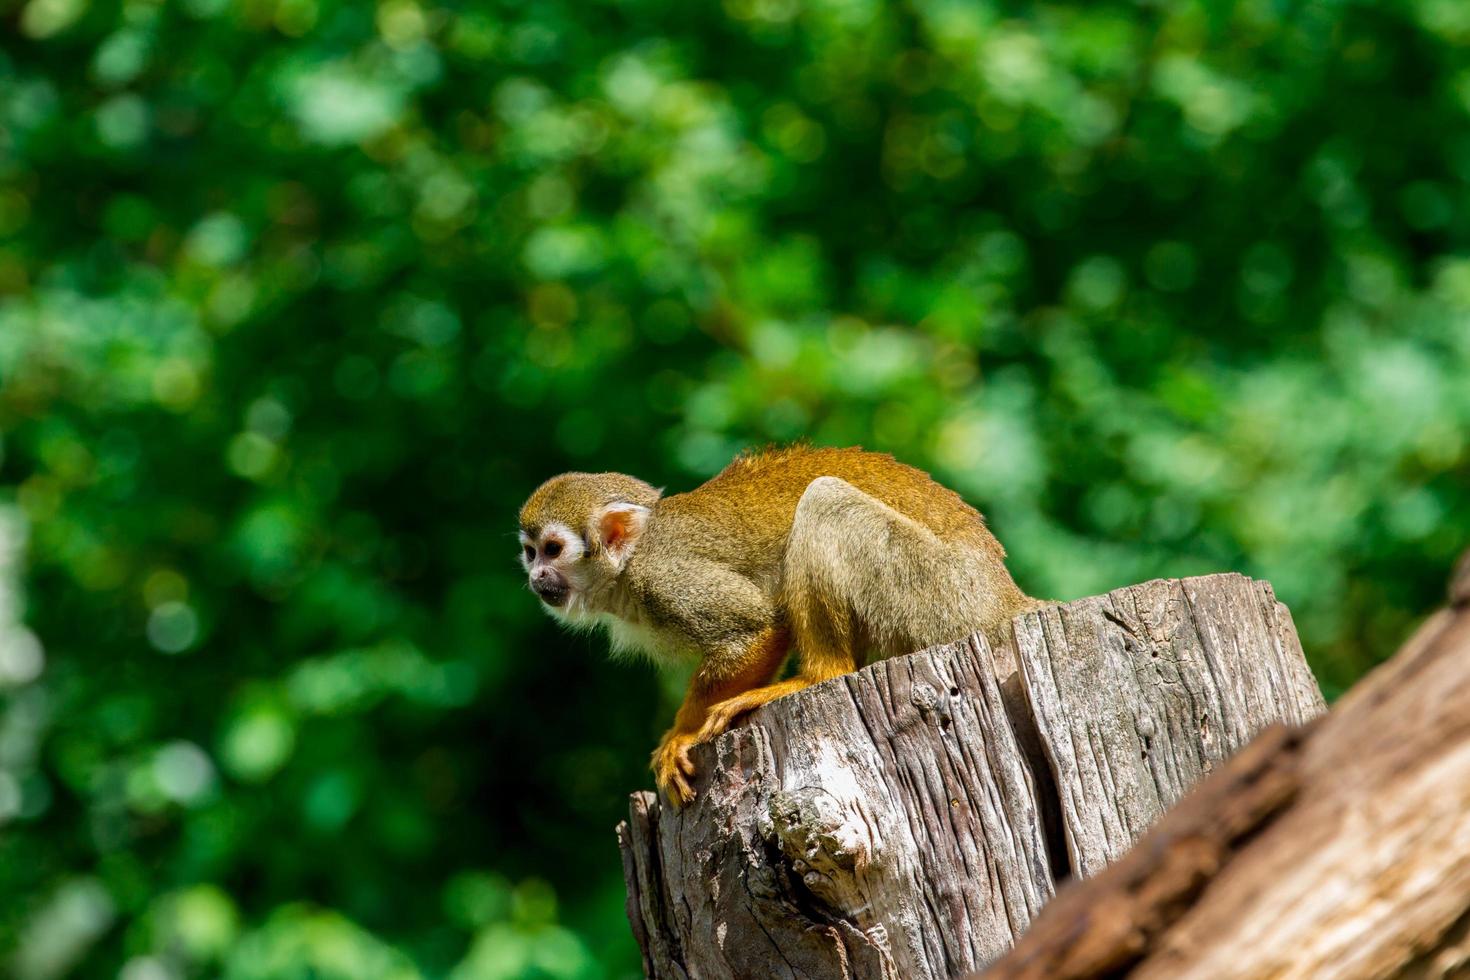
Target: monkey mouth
[553,595]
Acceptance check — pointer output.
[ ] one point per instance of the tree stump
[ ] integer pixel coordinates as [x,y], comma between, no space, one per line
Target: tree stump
[910,820]
[1139,693]
[1338,849]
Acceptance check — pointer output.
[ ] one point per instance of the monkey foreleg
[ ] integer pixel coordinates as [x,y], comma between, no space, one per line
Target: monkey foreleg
[814,670]
[724,714]
[718,681]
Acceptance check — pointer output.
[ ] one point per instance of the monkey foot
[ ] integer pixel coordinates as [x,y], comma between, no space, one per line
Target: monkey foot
[673,769]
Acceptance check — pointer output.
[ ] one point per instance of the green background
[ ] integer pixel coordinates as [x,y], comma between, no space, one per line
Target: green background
[300,298]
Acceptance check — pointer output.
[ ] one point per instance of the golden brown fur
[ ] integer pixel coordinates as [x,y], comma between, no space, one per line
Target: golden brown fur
[841,553]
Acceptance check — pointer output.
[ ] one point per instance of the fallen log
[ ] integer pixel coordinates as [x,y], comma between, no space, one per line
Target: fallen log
[911,819]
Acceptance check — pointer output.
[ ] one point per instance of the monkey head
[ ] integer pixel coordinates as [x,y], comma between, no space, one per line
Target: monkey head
[578,531]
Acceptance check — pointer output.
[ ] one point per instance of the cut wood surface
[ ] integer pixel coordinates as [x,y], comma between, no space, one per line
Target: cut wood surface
[882,824]
[910,820]
[1138,693]
[1340,849]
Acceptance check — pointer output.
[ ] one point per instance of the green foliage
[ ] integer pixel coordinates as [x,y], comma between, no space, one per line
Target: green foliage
[299,298]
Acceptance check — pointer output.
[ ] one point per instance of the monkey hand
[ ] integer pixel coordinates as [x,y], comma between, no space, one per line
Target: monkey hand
[673,770]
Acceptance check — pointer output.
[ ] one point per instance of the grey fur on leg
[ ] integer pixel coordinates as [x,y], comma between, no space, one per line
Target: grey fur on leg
[862,580]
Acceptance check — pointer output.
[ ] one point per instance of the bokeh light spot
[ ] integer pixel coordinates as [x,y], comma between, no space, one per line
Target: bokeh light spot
[173,627]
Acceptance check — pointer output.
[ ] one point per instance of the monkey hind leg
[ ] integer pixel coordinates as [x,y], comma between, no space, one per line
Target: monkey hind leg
[861,579]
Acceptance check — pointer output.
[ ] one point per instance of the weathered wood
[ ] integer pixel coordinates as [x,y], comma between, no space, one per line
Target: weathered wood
[1139,693]
[889,824]
[876,825]
[1151,886]
[1339,850]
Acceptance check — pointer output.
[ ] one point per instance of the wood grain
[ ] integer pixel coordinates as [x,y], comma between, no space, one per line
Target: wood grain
[881,824]
[1340,849]
[894,823]
[1139,693]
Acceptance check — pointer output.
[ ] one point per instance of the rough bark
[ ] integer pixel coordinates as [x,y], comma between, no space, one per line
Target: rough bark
[815,845]
[1339,849]
[1138,693]
[896,822]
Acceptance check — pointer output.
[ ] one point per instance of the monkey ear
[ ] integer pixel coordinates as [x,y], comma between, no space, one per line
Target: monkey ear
[618,528]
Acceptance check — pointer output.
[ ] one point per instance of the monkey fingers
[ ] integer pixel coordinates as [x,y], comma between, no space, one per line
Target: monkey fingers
[673,769]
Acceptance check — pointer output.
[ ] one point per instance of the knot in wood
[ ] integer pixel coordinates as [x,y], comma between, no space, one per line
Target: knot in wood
[825,842]
[933,704]
[925,697]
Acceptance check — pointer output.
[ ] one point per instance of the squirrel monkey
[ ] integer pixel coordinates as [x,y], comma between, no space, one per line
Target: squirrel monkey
[844,555]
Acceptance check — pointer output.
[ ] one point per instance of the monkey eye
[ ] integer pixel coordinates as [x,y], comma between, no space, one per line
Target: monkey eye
[530,553]
[551,549]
